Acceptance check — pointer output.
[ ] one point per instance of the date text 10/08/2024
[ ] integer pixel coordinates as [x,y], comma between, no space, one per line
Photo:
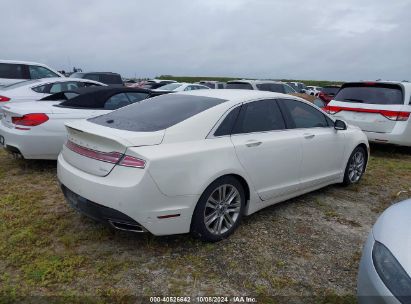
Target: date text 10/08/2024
[235,299]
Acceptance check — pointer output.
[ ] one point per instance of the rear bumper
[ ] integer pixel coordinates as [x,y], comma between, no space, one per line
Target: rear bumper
[101,213]
[132,194]
[32,144]
[403,139]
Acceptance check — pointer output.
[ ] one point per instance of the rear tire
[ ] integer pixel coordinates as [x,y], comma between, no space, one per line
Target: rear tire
[219,210]
[355,166]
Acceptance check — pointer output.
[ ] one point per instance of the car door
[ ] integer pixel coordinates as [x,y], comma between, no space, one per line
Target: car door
[322,145]
[269,154]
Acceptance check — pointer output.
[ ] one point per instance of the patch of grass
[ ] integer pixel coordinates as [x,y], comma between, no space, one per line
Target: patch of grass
[48,249]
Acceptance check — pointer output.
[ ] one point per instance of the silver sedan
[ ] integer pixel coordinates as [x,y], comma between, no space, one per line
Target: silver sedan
[385,268]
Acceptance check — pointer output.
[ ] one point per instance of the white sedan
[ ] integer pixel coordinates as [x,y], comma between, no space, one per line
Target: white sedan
[198,161]
[35,130]
[180,87]
[30,90]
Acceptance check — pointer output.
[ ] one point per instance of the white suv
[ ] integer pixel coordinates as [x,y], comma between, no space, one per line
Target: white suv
[261,85]
[15,71]
[380,108]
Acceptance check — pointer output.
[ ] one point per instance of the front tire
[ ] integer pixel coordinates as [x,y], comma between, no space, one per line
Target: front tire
[219,210]
[355,166]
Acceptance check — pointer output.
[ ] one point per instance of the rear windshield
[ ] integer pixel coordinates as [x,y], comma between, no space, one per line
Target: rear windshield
[272,87]
[371,93]
[239,85]
[330,90]
[156,114]
[170,86]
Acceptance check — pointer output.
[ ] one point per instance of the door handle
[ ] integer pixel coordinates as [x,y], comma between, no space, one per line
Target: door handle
[309,136]
[253,143]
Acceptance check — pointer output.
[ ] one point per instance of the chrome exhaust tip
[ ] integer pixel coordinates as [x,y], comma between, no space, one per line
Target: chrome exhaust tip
[127,226]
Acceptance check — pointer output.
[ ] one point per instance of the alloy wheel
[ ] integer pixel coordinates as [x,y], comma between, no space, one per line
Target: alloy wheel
[222,209]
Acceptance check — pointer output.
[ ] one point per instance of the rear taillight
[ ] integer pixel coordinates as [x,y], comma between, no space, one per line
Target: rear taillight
[397,116]
[391,115]
[331,110]
[30,120]
[130,161]
[4,98]
[108,157]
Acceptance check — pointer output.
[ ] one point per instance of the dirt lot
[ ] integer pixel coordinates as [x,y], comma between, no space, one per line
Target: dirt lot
[304,250]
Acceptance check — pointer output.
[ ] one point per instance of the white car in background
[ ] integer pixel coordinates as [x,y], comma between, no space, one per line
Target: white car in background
[261,85]
[212,84]
[12,71]
[35,130]
[198,161]
[380,108]
[181,87]
[312,90]
[31,90]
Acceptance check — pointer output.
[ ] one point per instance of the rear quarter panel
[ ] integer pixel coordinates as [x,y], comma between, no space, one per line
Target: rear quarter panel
[188,168]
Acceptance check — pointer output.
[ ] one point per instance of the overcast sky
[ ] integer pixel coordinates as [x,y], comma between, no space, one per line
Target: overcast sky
[311,39]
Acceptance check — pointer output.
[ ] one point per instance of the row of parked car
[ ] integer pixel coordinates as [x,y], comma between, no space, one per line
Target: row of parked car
[171,160]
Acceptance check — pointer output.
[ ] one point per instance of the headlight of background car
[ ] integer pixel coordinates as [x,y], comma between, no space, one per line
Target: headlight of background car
[392,273]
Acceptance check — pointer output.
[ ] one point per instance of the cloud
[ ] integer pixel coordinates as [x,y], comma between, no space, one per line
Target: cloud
[314,39]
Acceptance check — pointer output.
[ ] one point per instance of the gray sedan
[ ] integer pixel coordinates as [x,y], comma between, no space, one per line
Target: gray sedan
[385,268]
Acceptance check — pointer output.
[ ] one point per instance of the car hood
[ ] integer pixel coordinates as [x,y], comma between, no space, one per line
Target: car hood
[393,230]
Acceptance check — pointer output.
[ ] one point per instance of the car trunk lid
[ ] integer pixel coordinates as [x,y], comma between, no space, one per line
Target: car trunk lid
[96,149]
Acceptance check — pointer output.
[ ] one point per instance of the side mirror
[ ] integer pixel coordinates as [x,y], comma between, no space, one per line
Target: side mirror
[340,125]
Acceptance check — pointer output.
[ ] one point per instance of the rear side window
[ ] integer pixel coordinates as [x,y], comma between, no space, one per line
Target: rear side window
[375,93]
[301,115]
[239,86]
[37,72]
[226,127]
[12,71]
[40,89]
[157,113]
[259,116]
[135,97]
[116,101]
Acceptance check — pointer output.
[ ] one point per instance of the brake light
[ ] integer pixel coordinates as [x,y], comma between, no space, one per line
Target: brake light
[30,120]
[108,157]
[391,115]
[4,98]
[397,116]
[331,110]
[130,161]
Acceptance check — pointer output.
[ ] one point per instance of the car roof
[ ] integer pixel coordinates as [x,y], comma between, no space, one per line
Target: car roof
[22,62]
[404,83]
[256,81]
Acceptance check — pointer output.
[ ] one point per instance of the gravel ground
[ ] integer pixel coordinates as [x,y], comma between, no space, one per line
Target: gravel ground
[305,250]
